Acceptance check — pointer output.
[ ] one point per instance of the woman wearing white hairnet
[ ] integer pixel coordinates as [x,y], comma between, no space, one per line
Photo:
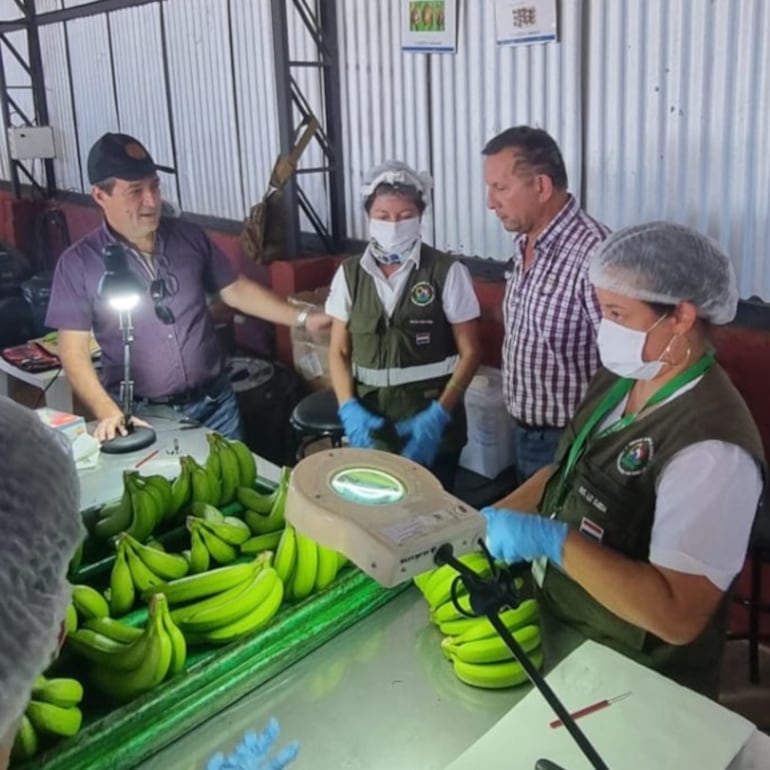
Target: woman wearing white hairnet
[646,512]
[404,342]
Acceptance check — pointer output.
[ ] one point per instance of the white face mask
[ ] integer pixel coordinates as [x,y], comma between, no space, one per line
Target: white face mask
[393,240]
[620,349]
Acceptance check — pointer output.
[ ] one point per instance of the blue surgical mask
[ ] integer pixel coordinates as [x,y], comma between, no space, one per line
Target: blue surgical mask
[392,242]
[620,349]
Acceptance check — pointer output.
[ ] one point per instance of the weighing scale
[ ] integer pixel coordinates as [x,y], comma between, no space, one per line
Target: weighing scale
[387,514]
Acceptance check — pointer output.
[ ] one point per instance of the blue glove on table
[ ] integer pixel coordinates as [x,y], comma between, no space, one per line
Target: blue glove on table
[252,752]
[513,536]
[423,433]
[359,423]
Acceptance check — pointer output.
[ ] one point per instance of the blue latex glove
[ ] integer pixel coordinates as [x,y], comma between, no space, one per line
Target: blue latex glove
[359,423]
[513,536]
[423,433]
[252,752]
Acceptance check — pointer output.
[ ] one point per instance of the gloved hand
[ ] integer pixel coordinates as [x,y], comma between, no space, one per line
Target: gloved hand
[251,753]
[423,433]
[513,536]
[359,423]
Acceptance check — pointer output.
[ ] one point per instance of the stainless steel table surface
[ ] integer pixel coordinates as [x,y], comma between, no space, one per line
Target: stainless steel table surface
[104,482]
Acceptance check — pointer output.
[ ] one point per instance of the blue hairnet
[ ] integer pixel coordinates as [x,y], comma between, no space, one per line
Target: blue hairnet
[667,263]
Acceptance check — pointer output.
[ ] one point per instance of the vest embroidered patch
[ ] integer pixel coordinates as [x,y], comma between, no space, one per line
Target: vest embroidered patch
[635,456]
[423,294]
[592,529]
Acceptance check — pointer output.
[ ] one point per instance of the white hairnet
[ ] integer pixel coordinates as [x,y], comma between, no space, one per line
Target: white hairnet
[40,528]
[667,263]
[395,172]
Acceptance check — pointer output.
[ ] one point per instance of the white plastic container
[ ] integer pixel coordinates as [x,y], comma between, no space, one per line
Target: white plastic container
[490,448]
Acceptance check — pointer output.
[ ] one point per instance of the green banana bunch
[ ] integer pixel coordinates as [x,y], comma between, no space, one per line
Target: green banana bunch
[142,576]
[230,472]
[26,743]
[270,588]
[131,669]
[508,673]
[230,529]
[165,494]
[447,611]
[271,504]
[206,487]
[524,615]
[116,516]
[122,590]
[259,543]
[247,465]
[89,603]
[493,649]
[199,586]
[147,504]
[54,720]
[181,489]
[166,566]
[219,550]
[62,691]
[303,565]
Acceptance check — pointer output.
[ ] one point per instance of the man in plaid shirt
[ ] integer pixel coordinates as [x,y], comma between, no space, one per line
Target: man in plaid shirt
[550,311]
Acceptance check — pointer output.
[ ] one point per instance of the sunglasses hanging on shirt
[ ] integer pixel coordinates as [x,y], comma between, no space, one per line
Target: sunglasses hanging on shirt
[158,293]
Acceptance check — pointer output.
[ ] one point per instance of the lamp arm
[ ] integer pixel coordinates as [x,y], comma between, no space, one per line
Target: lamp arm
[126,384]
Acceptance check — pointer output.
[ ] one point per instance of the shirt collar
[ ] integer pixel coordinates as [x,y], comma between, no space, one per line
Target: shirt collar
[113,237]
[372,266]
[555,227]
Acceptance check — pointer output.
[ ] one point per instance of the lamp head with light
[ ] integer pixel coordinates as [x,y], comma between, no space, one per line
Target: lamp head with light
[122,290]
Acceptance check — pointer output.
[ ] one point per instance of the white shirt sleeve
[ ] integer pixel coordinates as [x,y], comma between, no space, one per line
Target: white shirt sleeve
[338,302]
[458,296]
[707,497]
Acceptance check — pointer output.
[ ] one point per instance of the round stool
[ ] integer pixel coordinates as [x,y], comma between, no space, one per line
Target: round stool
[315,418]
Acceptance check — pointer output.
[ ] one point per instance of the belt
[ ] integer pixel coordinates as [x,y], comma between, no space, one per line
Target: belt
[536,428]
[212,388]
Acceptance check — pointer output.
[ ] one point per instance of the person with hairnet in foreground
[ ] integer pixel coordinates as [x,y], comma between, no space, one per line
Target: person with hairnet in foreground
[640,526]
[40,530]
[404,340]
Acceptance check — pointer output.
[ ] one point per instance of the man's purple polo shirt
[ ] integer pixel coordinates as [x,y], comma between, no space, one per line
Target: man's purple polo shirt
[164,359]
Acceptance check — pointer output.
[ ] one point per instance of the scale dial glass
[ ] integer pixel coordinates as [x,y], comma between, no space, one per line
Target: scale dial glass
[368,486]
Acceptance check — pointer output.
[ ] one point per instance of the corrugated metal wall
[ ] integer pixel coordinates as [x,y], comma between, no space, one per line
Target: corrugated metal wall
[660,108]
[678,98]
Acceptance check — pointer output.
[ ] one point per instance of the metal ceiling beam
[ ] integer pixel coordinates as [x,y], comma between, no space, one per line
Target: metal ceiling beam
[73,13]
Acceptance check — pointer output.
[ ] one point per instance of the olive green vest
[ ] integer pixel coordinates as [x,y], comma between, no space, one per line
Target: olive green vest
[402,363]
[611,496]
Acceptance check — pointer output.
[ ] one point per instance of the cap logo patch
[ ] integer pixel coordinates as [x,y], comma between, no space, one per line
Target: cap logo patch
[135,151]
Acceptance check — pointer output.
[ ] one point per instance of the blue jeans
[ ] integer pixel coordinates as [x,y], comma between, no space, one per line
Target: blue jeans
[535,448]
[219,414]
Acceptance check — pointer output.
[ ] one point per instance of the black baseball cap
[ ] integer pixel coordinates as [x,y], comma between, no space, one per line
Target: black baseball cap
[120,156]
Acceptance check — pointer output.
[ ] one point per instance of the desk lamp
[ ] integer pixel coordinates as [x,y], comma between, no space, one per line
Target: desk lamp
[122,290]
[392,518]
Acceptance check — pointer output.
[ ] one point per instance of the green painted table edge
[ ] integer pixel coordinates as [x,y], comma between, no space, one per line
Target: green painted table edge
[139,729]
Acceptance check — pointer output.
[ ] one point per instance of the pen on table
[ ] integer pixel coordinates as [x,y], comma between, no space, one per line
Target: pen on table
[145,459]
[590,709]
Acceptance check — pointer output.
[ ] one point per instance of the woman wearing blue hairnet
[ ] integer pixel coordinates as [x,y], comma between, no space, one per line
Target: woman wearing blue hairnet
[404,340]
[646,512]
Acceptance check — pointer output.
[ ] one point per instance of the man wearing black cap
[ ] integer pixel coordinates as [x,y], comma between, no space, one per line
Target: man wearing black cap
[176,357]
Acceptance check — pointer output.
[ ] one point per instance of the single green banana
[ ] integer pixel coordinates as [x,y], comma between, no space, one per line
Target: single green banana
[54,720]
[26,743]
[247,465]
[246,625]
[89,602]
[286,554]
[144,578]
[181,489]
[494,649]
[61,691]
[200,558]
[202,488]
[260,524]
[115,517]
[221,552]
[495,675]
[279,504]
[167,566]
[261,543]
[146,512]
[447,611]
[178,642]
[525,614]
[106,652]
[151,671]
[327,568]
[205,511]
[231,473]
[71,619]
[231,529]
[192,587]
[457,627]
[306,570]
[254,594]
[213,462]
[114,629]
[254,501]
[163,486]
[122,591]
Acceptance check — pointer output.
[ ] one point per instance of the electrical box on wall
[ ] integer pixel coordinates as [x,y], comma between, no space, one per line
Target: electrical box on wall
[28,142]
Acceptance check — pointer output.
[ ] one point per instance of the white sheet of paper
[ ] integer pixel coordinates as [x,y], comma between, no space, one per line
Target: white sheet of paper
[660,725]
